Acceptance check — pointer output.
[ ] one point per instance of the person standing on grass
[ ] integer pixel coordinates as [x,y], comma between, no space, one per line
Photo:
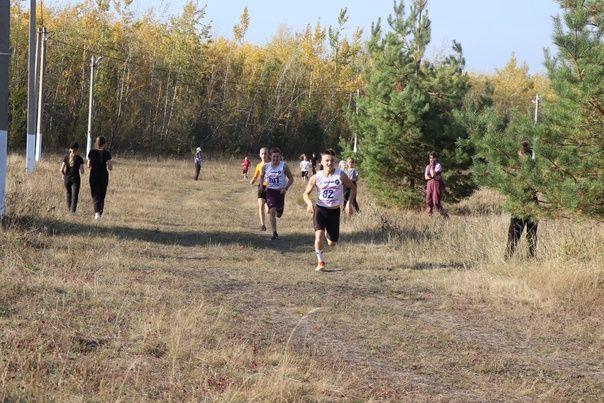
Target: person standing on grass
[100,163]
[304,167]
[522,219]
[264,159]
[353,175]
[72,167]
[330,183]
[434,185]
[197,160]
[275,173]
[245,166]
[313,163]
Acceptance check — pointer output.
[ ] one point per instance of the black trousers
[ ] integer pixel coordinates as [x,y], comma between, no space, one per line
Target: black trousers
[197,169]
[515,232]
[73,190]
[98,190]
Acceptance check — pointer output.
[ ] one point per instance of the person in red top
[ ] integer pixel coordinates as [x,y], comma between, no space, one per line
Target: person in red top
[434,186]
[245,165]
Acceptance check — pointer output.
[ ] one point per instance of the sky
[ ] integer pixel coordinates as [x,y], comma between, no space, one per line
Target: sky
[488,30]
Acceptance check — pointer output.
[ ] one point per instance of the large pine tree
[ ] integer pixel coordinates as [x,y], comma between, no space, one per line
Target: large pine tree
[567,172]
[407,110]
[571,139]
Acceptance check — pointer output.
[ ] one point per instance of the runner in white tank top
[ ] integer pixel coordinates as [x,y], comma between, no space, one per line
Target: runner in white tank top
[330,184]
[330,192]
[278,179]
[275,176]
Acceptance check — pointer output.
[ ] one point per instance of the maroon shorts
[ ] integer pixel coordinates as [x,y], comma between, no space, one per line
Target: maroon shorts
[275,199]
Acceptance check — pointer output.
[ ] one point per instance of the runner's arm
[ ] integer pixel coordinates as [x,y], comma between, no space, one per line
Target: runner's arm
[306,195]
[256,175]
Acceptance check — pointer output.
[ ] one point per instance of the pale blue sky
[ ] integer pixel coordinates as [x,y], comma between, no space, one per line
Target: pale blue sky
[489,30]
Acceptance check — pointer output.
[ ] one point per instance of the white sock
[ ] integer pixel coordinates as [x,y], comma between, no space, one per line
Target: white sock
[319,254]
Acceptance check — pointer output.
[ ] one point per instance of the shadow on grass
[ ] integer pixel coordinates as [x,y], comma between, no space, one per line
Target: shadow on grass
[432,266]
[287,241]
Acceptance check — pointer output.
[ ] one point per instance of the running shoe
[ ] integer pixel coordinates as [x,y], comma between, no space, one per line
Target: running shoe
[320,266]
[263,227]
[275,236]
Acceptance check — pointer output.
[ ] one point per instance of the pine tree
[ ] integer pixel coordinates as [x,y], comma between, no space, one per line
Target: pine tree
[571,141]
[567,171]
[406,110]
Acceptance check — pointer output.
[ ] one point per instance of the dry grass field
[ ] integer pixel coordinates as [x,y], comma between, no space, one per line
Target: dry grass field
[175,295]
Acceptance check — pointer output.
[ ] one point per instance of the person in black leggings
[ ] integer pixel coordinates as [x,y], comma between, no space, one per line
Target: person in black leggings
[72,167]
[99,162]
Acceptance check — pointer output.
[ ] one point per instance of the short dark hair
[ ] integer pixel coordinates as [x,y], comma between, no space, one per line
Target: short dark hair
[74,146]
[275,150]
[525,147]
[100,141]
[432,154]
[328,151]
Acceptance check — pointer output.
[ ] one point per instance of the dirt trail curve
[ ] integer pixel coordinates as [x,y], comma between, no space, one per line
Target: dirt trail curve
[397,337]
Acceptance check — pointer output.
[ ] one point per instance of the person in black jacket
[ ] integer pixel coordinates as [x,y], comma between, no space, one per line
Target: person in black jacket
[524,218]
[72,167]
[99,162]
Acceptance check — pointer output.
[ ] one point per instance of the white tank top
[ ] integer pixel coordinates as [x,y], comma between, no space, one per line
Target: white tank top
[330,190]
[275,177]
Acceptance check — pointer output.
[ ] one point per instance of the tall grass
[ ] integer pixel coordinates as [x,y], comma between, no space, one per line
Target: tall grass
[176,295]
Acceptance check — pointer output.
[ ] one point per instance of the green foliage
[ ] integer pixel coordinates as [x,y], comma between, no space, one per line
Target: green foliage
[168,86]
[407,110]
[572,140]
[567,174]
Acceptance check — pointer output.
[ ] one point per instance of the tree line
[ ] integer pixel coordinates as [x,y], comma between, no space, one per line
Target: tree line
[166,86]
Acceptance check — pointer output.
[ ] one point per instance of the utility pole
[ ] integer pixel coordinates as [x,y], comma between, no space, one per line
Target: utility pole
[31,91]
[40,94]
[356,111]
[93,62]
[4,57]
[536,102]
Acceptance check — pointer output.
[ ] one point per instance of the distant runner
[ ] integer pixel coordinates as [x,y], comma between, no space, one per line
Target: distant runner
[353,175]
[264,159]
[305,166]
[197,162]
[330,183]
[245,166]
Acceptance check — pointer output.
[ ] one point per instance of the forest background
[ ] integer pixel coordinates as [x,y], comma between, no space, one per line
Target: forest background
[165,87]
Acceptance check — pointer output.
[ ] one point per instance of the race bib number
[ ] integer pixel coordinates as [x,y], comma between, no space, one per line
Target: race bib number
[327,194]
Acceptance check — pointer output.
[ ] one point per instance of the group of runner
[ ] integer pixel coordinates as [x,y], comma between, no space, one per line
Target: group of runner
[275,178]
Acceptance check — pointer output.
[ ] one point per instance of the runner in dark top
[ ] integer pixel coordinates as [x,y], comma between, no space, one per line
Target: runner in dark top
[99,162]
[72,167]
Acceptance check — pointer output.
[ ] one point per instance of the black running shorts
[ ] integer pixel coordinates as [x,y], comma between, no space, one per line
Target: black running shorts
[327,219]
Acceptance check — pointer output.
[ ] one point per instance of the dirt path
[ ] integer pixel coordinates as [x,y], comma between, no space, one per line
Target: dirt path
[177,295]
[397,337]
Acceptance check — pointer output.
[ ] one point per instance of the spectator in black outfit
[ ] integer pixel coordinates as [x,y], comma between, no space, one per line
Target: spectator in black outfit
[313,163]
[72,167]
[521,220]
[99,162]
